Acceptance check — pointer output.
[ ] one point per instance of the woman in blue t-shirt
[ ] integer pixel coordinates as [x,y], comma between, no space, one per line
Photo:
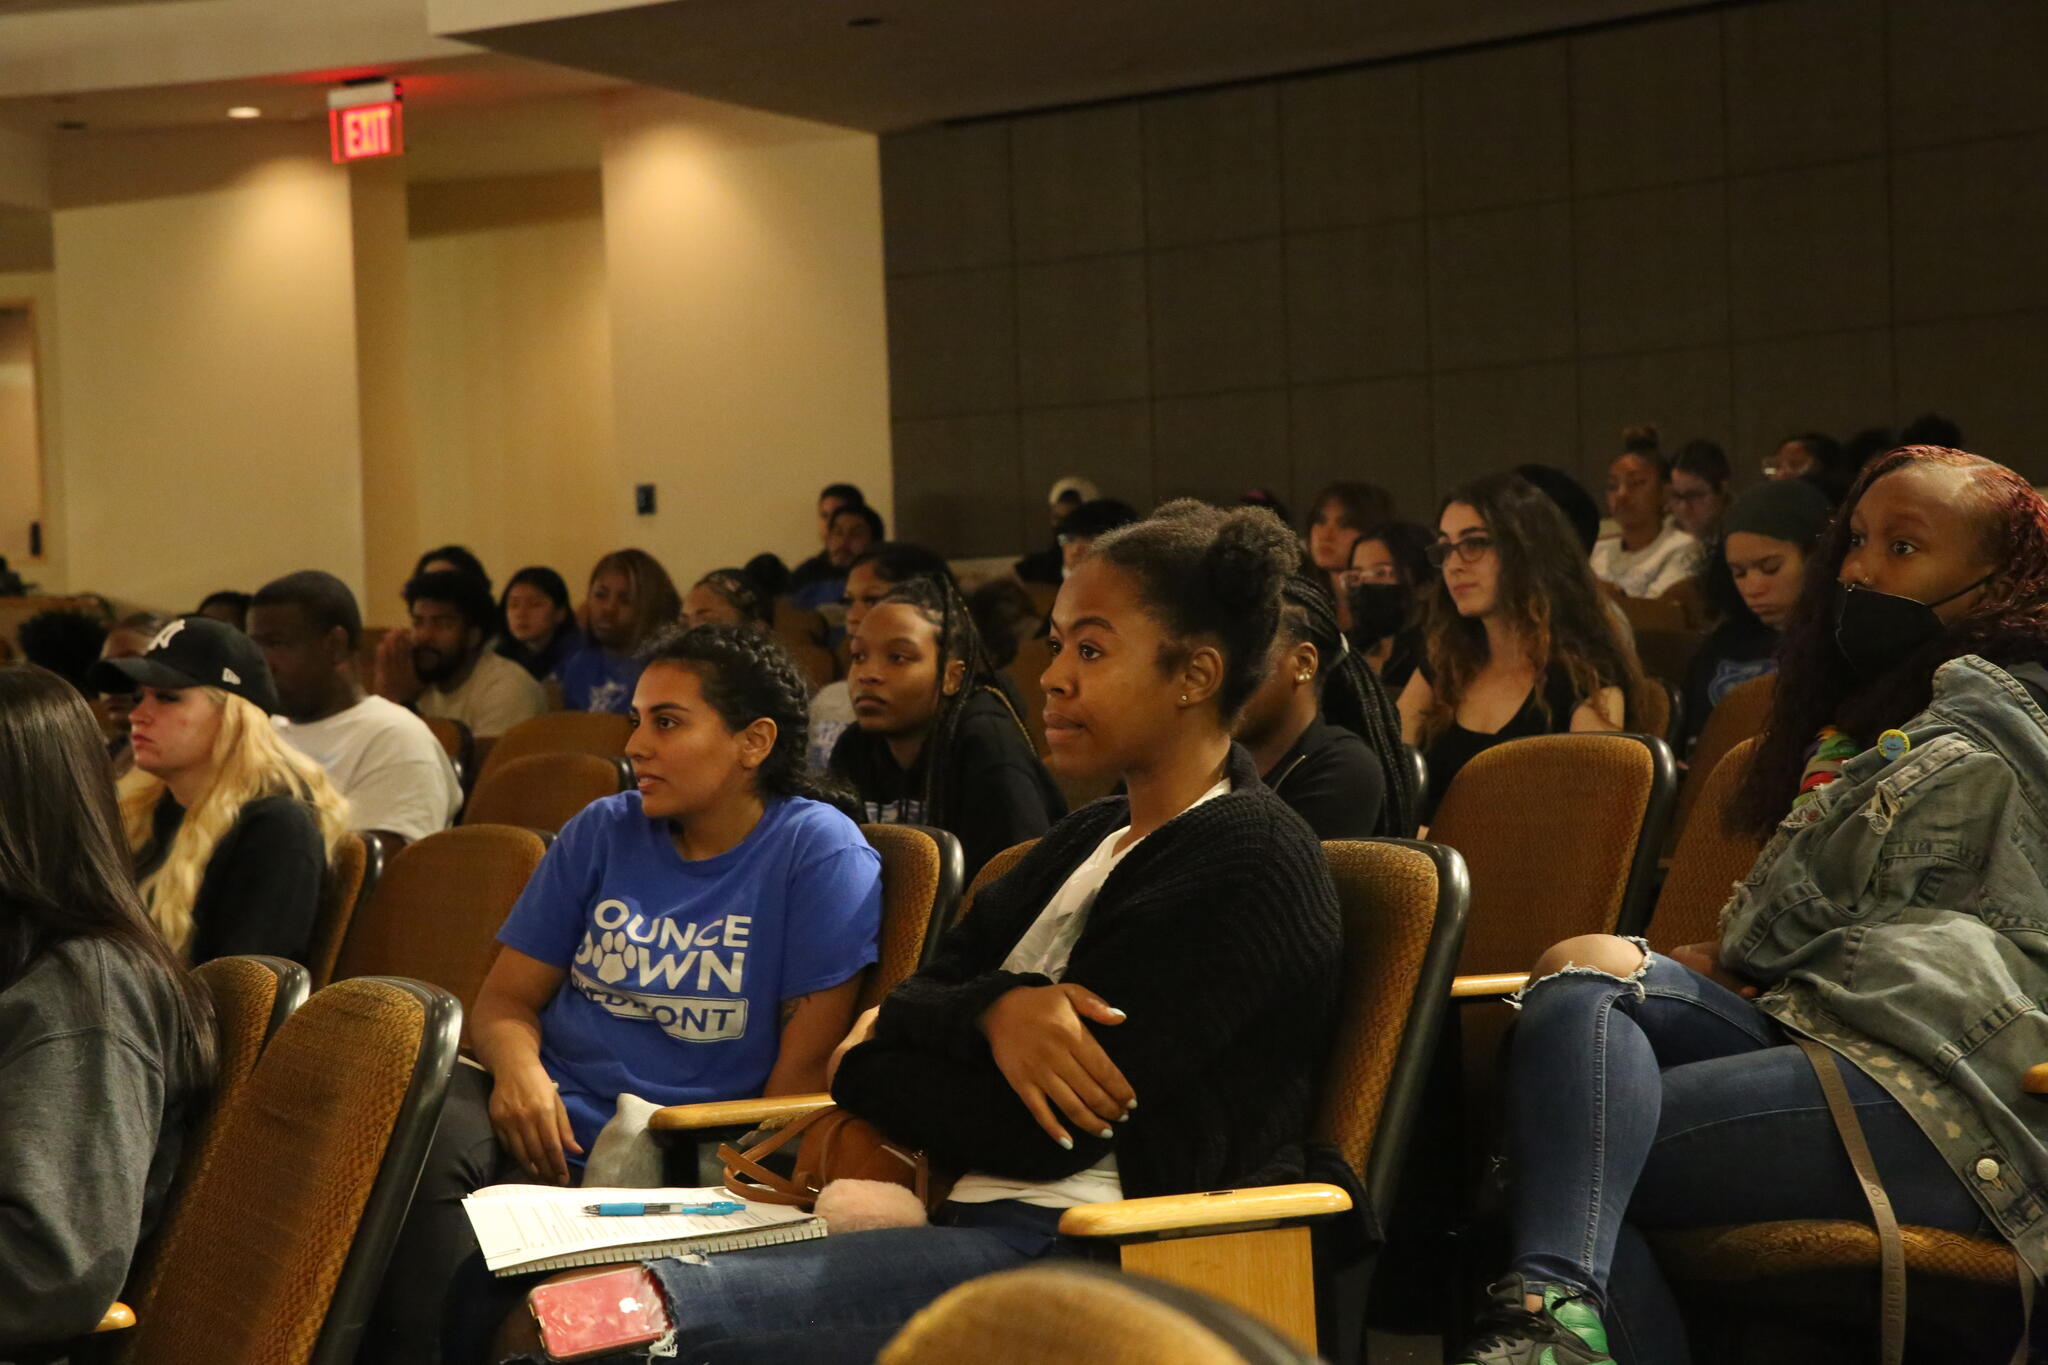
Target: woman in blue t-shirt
[701,938]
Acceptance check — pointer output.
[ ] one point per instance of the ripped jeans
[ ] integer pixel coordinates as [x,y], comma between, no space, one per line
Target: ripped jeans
[1667,1101]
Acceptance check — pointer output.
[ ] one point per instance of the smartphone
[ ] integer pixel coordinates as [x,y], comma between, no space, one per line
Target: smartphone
[601,1311]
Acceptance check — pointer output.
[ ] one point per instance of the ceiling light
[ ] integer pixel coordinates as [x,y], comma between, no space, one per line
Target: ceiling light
[245,111]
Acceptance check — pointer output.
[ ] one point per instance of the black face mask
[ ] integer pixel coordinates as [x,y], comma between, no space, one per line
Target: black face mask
[1877,631]
[1378,610]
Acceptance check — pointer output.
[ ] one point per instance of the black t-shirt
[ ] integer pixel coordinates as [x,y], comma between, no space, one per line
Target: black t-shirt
[261,890]
[1000,793]
[1333,780]
[1456,746]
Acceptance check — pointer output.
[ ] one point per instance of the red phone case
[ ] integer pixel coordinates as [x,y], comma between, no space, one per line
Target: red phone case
[595,1314]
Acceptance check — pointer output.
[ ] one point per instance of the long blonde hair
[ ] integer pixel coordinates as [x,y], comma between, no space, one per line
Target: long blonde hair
[250,761]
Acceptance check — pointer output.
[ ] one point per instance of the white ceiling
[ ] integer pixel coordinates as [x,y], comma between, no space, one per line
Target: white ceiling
[930,60]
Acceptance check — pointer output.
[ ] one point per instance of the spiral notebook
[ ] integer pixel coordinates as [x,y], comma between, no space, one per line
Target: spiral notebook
[523,1228]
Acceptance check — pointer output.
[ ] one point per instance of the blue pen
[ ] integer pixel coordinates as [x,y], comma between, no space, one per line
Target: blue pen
[716,1210]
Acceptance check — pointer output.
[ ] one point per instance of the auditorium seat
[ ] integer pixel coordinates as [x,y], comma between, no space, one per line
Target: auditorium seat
[557,732]
[1708,863]
[358,861]
[1743,713]
[922,873]
[460,746]
[545,791]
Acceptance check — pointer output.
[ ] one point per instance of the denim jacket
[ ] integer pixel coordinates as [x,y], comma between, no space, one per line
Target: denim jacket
[1903,915]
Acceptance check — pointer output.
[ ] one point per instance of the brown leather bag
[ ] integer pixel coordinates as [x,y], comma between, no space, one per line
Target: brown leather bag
[836,1145]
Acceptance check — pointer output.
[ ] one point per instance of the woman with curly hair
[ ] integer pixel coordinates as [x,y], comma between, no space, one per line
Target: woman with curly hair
[1518,639]
[1886,939]
[701,937]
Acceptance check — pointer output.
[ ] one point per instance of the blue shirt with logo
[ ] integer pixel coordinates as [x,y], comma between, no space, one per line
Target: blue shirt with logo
[595,679]
[678,969]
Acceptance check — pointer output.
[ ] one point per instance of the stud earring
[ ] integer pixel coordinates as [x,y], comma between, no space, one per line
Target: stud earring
[1183,699]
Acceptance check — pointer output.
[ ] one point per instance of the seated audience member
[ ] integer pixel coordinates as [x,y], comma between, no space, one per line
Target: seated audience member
[819,567]
[536,624]
[1340,514]
[65,642]
[873,576]
[232,828]
[1321,729]
[1114,952]
[1386,574]
[1699,490]
[853,531]
[724,846]
[1664,1092]
[768,573]
[1004,616]
[630,600]
[1087,523]
[106,1044]
[1754,583]
[936,742]
[1519,641]
[229,608]
[1045,566]
[129,639]
[380,756]
[726,597]
[1649,555]
[443,665]
[452,559]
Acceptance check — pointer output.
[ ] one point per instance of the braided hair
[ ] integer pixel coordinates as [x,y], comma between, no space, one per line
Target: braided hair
[1351,695]
[940,603]
[738,590]
[747,676]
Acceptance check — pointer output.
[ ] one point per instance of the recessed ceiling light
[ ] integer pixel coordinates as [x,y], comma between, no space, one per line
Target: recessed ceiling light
[245,111]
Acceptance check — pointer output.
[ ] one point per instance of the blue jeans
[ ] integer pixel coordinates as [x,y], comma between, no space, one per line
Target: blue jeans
[1683,1106]
[841,1298]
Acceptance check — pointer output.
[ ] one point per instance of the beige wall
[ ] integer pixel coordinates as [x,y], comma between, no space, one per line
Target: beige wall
[21,459]
[1735,223]
[748,353]
[207,376]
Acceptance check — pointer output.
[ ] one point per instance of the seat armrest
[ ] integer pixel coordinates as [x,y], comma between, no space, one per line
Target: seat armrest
[2035,1081]
[756,1113]
[1488,985]
[118,1318]
[1187,1215]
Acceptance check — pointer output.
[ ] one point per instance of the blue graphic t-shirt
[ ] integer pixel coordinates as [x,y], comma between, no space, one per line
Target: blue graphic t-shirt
[594,679]
[677,969]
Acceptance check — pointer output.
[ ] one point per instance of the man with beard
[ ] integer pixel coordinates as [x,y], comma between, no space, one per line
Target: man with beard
[443,668]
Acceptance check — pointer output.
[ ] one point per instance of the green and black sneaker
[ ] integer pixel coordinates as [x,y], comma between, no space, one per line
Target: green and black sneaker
[1565,1331]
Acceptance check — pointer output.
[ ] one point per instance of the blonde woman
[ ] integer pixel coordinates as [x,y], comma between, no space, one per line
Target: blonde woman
[232,828]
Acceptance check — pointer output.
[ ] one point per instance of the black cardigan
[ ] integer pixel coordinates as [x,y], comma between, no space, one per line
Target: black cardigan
[1220,938]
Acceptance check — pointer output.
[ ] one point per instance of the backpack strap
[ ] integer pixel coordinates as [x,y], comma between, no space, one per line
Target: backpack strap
[1891,1248]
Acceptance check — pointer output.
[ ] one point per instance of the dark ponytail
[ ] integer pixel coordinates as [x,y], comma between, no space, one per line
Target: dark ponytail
[1352,696]
[1208,574]
[748,676]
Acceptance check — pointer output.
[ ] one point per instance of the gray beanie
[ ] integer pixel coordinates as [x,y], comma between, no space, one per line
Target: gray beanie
[1782,509]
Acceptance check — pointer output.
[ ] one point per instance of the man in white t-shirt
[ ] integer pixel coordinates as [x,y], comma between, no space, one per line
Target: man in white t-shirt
[444,665]
[384,759]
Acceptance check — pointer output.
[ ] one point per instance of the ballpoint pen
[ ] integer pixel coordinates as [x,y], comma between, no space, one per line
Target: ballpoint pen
[717,1208]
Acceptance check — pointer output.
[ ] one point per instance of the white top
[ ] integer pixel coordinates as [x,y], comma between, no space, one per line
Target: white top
[1045,948]
[496,696]
[1663,564]
[388,764]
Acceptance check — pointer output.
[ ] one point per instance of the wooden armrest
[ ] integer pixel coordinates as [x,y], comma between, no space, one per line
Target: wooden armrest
[1216,1211]
[736,1113]
[2035,1081]
[1487,985]
[119,1318]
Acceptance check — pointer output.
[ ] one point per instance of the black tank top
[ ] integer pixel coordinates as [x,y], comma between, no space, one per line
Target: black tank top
[1457,746]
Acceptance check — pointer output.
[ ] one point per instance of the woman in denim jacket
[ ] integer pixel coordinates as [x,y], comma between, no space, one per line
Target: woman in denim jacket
[1898,917]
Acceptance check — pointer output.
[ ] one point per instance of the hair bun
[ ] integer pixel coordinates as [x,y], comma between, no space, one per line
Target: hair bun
[1641,438]
[1250,558]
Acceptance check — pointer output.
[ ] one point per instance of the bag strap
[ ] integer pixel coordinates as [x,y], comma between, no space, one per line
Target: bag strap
[761,1184]
[1891,1249]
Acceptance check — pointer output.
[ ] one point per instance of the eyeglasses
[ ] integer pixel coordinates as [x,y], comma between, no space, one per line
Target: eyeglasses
[1470,550]
[1378,573]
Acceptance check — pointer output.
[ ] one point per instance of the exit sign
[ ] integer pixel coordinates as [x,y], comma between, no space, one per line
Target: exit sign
[365,121]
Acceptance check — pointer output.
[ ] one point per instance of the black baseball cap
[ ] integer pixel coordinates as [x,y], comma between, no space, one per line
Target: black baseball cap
[195,651]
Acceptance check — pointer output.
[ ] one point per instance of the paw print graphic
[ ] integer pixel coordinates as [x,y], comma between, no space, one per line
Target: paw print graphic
[616,956]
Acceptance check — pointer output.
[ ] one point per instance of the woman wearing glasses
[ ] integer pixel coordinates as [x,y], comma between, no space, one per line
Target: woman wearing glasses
[1517,641]
[1382,588]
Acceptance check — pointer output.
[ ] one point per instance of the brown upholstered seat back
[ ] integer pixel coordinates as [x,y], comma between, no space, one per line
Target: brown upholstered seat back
[542,791]
[559,732]
[992,869]
[436,911]
[1549,827]
[1742,714]
[910,886]
[1653,717]
[341,891]
[1709,860]
[254,1258]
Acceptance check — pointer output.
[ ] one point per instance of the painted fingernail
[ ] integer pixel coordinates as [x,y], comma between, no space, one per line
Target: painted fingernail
[1118,1013]
[1130,1108]
[1066,1142]
[1107,1133]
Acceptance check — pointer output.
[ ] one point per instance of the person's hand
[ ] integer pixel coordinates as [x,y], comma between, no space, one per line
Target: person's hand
[1040,1038]
[862,1030]
[1705,958]
[395,678]
[530,1120]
